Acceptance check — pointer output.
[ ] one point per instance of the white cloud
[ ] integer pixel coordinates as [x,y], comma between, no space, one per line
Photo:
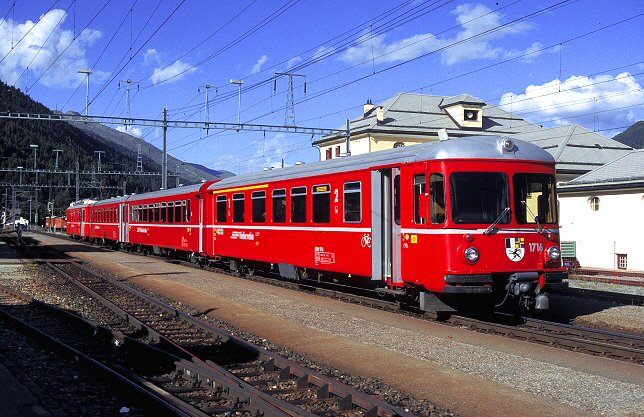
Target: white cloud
[323,52]
[603,102]
[131,130]
[151,56]
[46,50]
[173,72]
[292,62]
[258,66]
[478,30]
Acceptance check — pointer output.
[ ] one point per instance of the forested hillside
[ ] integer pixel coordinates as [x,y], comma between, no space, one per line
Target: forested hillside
[16,138]
[633,136]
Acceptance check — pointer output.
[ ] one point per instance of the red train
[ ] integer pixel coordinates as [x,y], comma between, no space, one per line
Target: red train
[462,222]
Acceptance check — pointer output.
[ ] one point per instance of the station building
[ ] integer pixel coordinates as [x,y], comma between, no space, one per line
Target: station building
[601,214]
[602,183]
[406,119]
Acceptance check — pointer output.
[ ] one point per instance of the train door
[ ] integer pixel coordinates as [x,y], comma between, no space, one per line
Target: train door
[83,212]
[385,215]
[123,229]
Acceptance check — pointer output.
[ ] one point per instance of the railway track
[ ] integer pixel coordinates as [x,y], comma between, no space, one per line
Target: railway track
[216,368]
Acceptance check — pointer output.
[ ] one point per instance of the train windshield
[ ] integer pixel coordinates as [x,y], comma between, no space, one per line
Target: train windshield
[534,198]
[479,197]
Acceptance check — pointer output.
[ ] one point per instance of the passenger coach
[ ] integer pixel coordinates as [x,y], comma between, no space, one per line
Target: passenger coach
[467,221]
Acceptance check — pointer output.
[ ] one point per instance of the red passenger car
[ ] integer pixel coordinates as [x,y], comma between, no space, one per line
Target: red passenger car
[467,221]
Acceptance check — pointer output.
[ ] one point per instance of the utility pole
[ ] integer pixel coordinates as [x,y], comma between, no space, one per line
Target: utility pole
[239,84]
[290,100]
[164,163]
[127,98]
[207,109]
[86,71]
[57,151]
[99,159]
[139,160]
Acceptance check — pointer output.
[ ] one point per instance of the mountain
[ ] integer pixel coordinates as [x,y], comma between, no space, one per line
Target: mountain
[633,136]
[31,150]
[151,156]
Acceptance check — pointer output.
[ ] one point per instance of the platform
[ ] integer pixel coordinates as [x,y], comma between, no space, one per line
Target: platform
[8,255]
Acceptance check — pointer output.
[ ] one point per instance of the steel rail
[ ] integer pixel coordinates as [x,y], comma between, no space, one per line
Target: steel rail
[178,408]
[325,388]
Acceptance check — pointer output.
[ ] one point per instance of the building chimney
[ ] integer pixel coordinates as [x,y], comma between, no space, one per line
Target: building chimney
[368,106]
[380,114]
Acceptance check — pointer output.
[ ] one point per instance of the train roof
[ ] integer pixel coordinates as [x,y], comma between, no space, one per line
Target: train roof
[470,147]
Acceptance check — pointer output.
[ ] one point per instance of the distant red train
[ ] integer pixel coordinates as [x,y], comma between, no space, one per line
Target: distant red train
[463,222]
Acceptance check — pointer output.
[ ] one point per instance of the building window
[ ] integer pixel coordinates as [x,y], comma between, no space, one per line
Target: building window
[329,153]
[399,145]
[621,261]
[594,203]
[337,151]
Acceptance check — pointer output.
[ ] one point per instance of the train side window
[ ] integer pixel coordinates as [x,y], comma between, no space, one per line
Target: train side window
[157,212]
[170,211]
[144,213]
[186,204]
[163,213]
[177,211]
[298,204]
[221,208]
[437,198]
[352,202]
[238,208]
[321,203]
[259,206]
[420,199]
[279,205]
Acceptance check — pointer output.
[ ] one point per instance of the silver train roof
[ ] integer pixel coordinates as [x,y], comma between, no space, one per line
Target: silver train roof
[470,147]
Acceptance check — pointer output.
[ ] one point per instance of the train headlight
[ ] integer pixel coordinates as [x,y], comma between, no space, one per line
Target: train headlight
[553,253]
[471,254]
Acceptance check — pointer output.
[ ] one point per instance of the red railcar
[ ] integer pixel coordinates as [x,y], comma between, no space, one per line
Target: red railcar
[456,222]
[165,221]
[78,225]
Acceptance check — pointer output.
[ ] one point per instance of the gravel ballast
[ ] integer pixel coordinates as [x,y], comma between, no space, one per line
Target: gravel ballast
[567,383]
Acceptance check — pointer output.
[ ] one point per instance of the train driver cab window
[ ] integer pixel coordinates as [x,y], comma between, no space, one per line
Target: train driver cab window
[534,198]
[321,203]
[420,199]
[479,198]
[259,206]
[437,198]
[238,208]
[298,204]
[352,202]
[279,205]
[221,208]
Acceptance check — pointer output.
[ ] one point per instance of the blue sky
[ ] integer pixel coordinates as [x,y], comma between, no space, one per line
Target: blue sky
[552,62]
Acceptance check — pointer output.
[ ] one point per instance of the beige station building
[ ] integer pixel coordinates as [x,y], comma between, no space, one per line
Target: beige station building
[406,119]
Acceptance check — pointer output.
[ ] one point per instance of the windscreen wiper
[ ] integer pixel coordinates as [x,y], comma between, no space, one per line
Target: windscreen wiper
[498,219]
[536,218]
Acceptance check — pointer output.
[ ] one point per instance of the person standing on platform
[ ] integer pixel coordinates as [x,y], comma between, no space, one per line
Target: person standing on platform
[19,240]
